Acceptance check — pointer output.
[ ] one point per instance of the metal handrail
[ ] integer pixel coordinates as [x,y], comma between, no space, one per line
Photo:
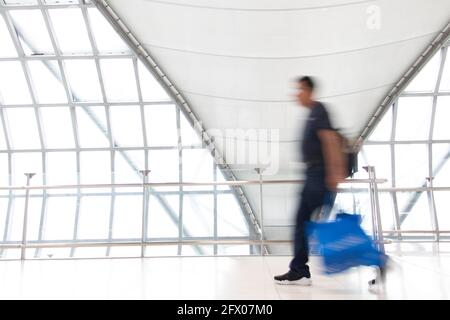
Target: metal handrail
[177,184]
[143,242]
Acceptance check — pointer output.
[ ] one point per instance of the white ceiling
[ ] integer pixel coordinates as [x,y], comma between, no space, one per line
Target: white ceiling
[234,60]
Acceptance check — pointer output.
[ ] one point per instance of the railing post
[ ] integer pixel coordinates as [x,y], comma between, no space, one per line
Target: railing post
[432,205]
[375,205]
[260,172]
[145,174]
[25,216]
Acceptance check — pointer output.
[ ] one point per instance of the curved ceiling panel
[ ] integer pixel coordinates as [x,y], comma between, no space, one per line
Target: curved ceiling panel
[234,60]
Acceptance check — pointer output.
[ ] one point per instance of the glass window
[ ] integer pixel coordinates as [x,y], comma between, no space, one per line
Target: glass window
[4,170]
[3,145]
[188,135]
[445,80]
[126,124]
[413,118]
[83,80]
[16,222]
[13,86]
[441,128]
[441,164]
[7,48]
[4,202]
[107,40]
[426,80]
[160,223]
[378,156]
[27,162]
[411,165]
[127,217]
[383,129]
[61,169]
[57,127]
[60,218]
[70,31]
[47,82]
[442,209]
[34,217]
[198,215]
[15,226]
[33,33]
[231,221]
[95,167]
[94,218]
[95,129]
[18,119]
[151,89]
[197,167]
[125,172]
[164,167]
[414,206]
[119,79]
[92,129]
[387,211]
[161,125]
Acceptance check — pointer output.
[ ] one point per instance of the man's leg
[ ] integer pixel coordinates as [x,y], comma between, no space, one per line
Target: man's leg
[299,270]
[310,201]
[298,264]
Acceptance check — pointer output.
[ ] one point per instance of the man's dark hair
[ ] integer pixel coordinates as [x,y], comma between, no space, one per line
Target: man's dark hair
[308,81]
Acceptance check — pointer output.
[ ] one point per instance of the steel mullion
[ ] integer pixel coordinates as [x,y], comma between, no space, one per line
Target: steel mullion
[10,203]
[20,53]
[10,194]
[144,136]
[108,123]
[393,169]
[432,205]
[109,134]
[70,99]
[180,178]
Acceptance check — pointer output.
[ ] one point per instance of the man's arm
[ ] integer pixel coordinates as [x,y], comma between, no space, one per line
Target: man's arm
[335,162]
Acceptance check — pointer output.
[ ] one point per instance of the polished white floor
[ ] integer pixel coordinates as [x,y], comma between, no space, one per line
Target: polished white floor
[419,271]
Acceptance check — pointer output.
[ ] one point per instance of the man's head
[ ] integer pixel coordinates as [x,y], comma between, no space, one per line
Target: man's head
[305,91]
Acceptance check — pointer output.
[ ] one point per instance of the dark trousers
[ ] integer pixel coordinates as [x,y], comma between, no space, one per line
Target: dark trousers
[315,194]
